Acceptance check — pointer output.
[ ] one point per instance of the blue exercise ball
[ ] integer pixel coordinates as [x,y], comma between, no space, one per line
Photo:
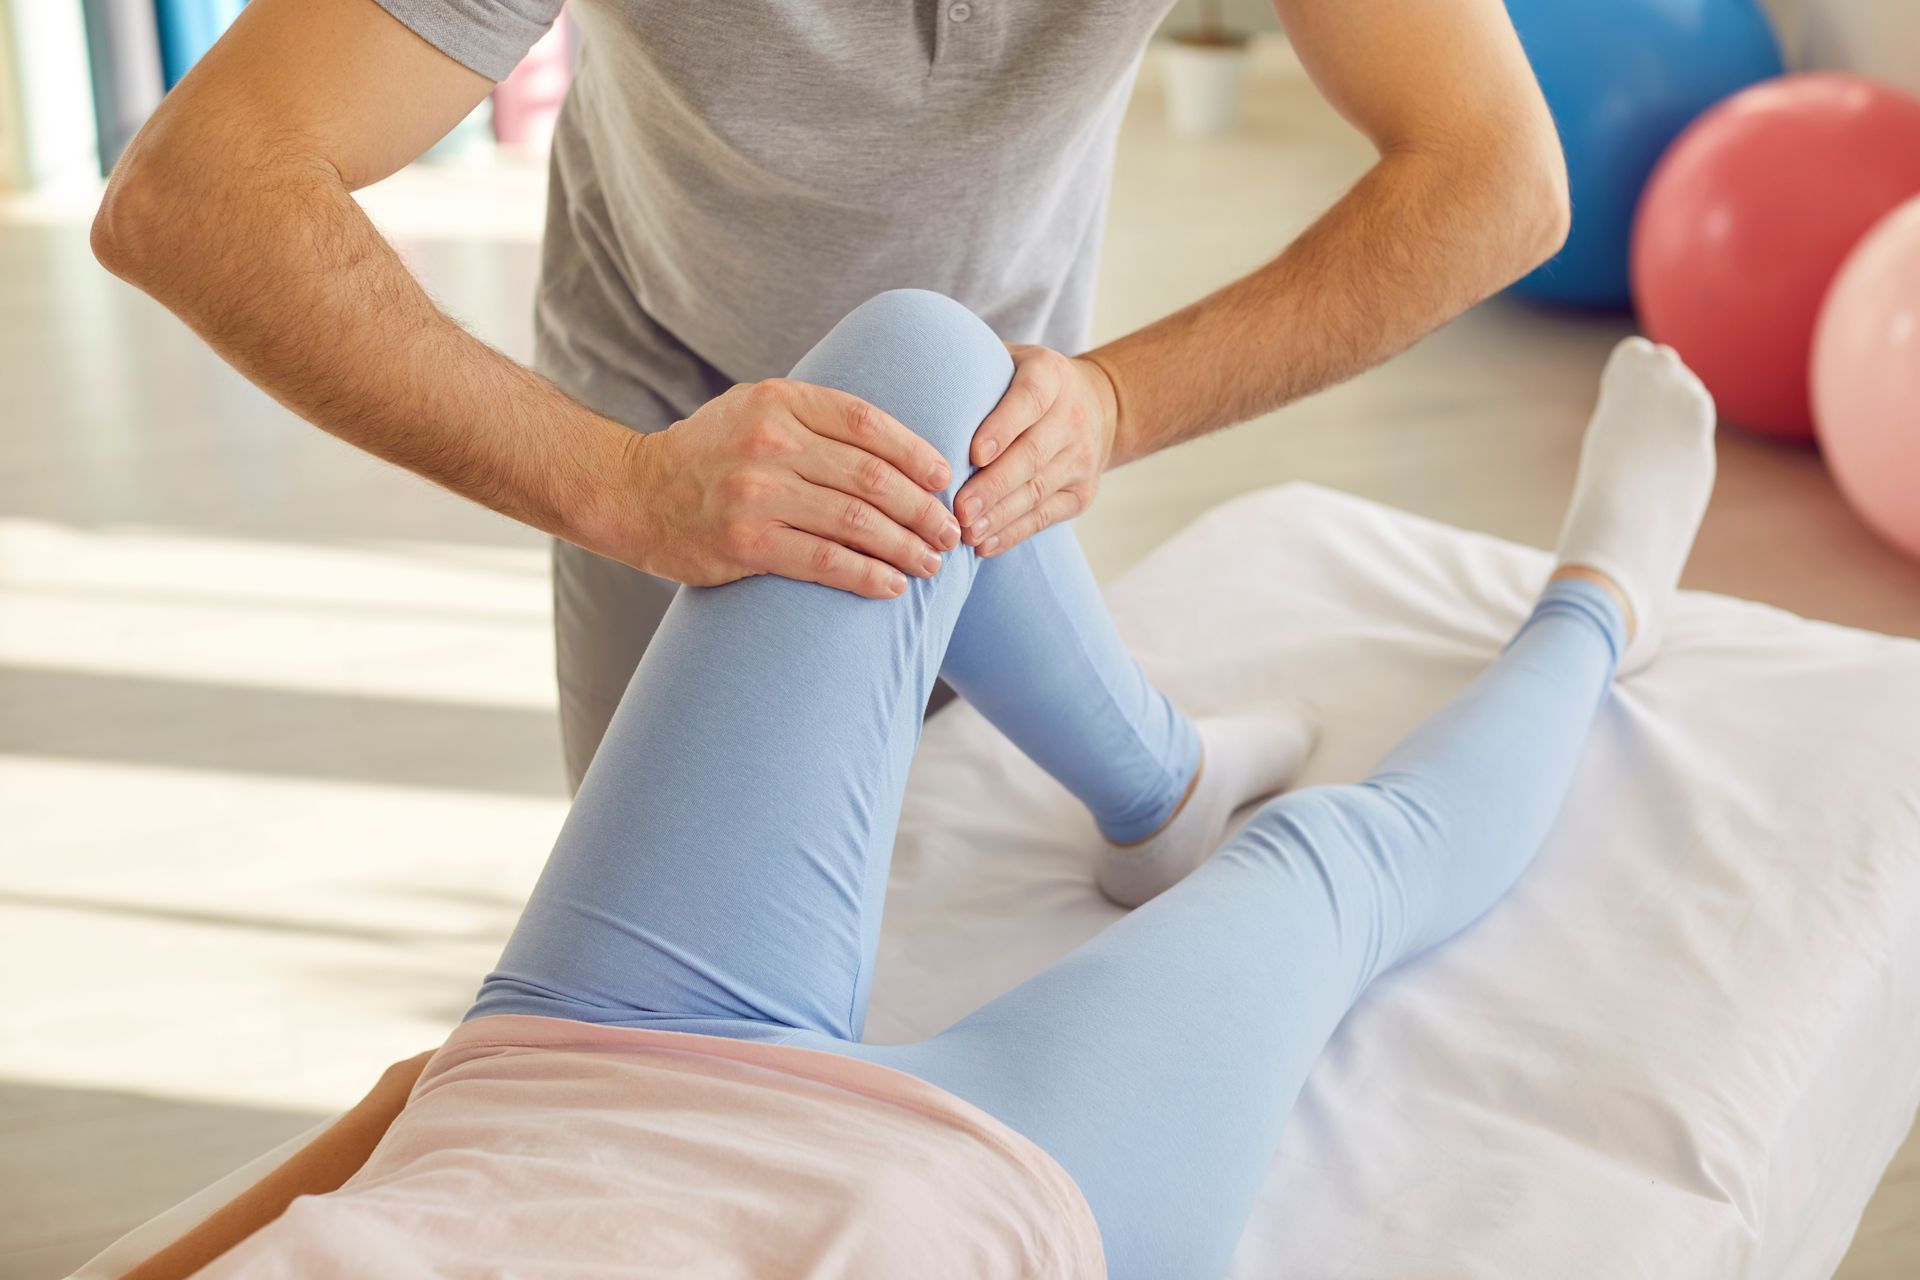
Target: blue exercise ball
[1623,78]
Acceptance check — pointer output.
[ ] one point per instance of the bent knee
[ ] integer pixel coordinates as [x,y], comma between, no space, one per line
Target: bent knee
[921,356]
[922,316]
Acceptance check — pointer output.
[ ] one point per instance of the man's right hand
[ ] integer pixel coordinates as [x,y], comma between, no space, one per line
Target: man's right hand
[793,479]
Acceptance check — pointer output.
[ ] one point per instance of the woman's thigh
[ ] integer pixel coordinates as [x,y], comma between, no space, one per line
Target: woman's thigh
[724,863]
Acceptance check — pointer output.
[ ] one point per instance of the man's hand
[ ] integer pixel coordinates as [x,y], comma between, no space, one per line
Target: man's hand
[1042,450]
[788,478]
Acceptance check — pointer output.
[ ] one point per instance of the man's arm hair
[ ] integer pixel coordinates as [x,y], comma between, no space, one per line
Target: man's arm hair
[232,207]
[1469,193]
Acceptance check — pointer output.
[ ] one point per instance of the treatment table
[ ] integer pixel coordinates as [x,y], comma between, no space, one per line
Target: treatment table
[1686,1044]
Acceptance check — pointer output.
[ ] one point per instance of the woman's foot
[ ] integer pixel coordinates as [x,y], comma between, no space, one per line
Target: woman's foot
[1646,471]
[1243,758]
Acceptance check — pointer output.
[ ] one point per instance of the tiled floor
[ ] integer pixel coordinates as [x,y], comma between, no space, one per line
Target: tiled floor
[277,759]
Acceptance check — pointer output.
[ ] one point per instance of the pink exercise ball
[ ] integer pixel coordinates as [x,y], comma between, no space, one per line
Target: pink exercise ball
[1747,217]
[1866,378]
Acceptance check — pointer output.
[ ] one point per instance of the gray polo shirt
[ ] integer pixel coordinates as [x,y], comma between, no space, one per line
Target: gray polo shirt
[730,177]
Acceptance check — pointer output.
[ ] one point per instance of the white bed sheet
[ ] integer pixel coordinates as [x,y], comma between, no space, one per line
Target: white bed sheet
[1687,1044]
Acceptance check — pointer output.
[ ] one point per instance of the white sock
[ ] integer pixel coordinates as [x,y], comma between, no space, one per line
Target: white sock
[1243,758]
[1646,471]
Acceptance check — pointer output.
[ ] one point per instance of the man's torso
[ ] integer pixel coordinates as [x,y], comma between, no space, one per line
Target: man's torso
[730,179]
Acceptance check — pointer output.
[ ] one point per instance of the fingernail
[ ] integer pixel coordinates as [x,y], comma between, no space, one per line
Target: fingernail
[930,564]
[949,536]
[989,449]
[969,509]
[986,548]
[939,476]
[897,584]
[977,530]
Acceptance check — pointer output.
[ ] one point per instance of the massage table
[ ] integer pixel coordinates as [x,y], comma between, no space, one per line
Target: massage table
[1686,1044]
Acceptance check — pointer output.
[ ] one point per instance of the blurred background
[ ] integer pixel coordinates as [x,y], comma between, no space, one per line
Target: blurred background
[276,720]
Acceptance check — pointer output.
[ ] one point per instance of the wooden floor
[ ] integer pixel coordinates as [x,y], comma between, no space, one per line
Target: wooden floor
[277,758]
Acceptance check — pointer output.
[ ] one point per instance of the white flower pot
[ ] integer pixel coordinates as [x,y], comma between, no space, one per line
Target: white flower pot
[1878,38]
[1203,84]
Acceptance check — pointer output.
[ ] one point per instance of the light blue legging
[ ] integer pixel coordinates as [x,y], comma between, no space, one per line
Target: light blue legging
[725,863]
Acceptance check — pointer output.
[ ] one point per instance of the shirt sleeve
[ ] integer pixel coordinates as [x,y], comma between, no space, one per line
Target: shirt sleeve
[487,36]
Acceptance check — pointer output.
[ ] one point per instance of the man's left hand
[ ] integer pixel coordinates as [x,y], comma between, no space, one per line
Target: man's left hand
[1041,451]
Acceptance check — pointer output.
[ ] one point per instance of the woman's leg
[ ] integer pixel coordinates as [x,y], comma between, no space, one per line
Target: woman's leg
[1158,1062]
[724,864]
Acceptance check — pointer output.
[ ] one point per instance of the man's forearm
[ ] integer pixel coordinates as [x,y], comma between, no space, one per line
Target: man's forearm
[1409,247]
[273,262]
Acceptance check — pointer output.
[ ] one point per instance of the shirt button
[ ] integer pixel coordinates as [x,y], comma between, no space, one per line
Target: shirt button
[960,12]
